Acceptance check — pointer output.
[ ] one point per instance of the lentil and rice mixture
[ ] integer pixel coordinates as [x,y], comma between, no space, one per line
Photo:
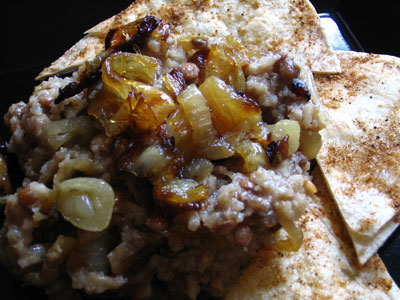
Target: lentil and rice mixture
[159,168]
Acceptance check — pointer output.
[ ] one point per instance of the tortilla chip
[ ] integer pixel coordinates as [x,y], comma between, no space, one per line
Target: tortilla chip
[325,267]
[361,151]
[279,25]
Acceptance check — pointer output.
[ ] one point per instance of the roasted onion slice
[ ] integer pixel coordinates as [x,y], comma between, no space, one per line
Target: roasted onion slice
[230,111]
[132,35]
[182,193]
[85,202]
[295,236]
[122,71]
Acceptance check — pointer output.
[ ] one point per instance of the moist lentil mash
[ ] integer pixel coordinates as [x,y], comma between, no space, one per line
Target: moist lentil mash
[159,168]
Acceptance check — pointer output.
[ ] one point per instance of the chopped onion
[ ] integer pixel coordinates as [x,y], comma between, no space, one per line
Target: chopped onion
[68,131]
[179,128]
[153,162]
[121,71]
[253,155]
[295,236]
[152,108]
[230,111]
[182,193]
[224,65]
[310,143]
[85,202]
[68,167]
[198,114]
[198,169]
[284,128]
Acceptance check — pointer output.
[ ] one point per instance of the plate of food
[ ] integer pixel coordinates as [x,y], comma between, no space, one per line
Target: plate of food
[192,150]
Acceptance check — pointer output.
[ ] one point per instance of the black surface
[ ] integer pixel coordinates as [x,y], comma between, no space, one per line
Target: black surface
[35,33]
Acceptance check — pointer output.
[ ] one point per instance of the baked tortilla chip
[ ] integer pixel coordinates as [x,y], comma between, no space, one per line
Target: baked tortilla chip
[286,26]
[361,151]
[325,267]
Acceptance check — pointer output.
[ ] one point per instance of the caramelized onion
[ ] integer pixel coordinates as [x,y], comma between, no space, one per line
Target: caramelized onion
[230,111]
[183,193]
[152,163]
[310,143]
[127,99]
[123,71]
[178,127]
[112,111]
[288,128]
[295,236]
[253,155]
[222,64]
[132,35]
[198,169]
[85,202]
[68,131]
[198,114]
[174,82]
[152,108]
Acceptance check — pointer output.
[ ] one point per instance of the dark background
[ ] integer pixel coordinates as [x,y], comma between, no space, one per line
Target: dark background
[35,33]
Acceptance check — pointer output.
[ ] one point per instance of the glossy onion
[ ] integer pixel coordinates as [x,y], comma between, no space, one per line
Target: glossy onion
[179,128]
[230,111]
[224,65]
[198,114]
[286,127]
[253,155]
[185,193]
[122,71]
[152,162]
[294,240]
[85,202]
[68,131]
[310,143]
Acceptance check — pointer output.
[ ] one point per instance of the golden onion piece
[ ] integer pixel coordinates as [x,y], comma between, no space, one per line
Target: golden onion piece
[85,202]
[198,169]
[290,128]
[174,82]
[153,162]
[203,137]
[310,143]
[219,149]
[230,111]
[67,132]
[68,167]
[184,193]
[179,128]
[198,114]
[121,71]
[236,49]
[152,107]
[224,65]
[253,155]
[111,111]
[294,238]
[145,108]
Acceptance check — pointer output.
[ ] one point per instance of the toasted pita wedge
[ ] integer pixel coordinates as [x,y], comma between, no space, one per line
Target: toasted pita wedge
[325,267]
[361,151]
[276,25]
